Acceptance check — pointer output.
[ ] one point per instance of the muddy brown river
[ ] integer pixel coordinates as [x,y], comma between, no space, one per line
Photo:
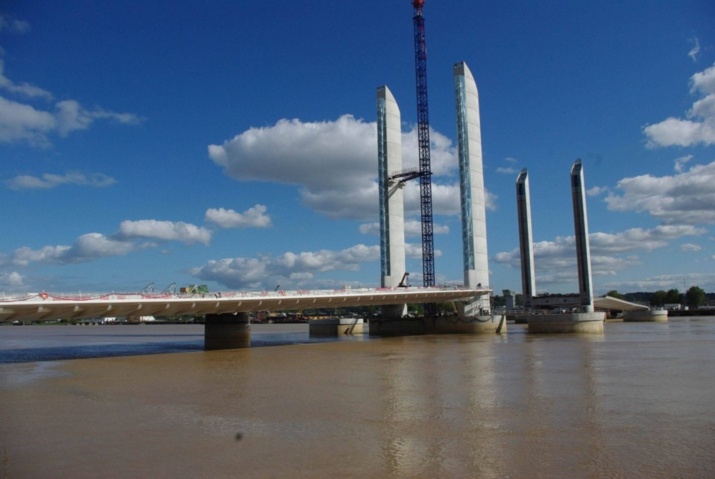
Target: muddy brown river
[635,402]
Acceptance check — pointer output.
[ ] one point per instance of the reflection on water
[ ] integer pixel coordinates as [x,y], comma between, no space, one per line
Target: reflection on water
[53,343]
[637,401]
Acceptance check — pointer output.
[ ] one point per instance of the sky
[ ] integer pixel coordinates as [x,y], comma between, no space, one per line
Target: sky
[233,143]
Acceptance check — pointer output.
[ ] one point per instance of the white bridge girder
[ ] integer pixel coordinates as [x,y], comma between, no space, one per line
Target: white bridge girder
[48,306]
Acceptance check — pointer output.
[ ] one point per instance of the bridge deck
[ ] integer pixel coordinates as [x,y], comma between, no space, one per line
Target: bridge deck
[50,306]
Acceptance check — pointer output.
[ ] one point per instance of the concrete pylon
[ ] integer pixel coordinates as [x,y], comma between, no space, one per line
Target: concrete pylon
[587,320]
[471,183]
[392,215]
[583,250]
[526,242]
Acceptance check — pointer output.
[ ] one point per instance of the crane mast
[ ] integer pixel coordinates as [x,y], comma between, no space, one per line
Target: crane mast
[423,141]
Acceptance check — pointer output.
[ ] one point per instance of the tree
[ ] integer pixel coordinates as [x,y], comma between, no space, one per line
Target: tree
[658,298]
[615,294]
[673,296]
[694,297]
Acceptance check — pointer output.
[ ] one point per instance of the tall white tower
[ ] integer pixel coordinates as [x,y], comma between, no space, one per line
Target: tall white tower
[471,179]
[392,216]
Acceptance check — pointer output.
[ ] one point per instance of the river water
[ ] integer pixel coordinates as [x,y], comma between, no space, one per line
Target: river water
[636,401]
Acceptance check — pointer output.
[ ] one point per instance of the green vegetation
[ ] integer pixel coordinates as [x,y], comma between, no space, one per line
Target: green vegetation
[615,294]
[695,297]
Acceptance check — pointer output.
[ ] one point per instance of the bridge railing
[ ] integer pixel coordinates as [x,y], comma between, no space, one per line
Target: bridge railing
[128,296]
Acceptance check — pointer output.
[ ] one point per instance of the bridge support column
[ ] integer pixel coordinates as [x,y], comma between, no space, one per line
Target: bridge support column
[227,331]
[585,322]
[335,326]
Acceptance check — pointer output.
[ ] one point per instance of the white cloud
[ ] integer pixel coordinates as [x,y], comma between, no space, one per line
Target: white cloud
[693,53]
[687,197]
[290,270]
[638,239]
[24,122]
[555,261]
[49,180]
[20,122]
[690,247]
[703,82]
[95,245]
[597,190]
[12,25]
[506,171]
[699,127]
[164,230]
[72,116]
[668,281]
[24,89]
[86,248]
[334,164]
[92,246]
[413,227]
[681,162]
[12,279]
[251,218]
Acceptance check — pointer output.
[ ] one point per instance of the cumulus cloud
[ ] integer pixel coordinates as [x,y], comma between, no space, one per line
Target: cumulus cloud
[21,121]
[667,281]
[334,164]
[87,247]
[698,126]
[49,180]
[596,190]
[24,89]
[687,197]
[133,236]
[690,247]
[412,228]
[164,230]
[414,251]
[681,162]
[610,252]
[290,270]
[12,279]
[251,218]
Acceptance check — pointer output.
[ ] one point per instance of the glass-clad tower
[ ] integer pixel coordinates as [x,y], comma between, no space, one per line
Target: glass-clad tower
[471,177]
[392,222]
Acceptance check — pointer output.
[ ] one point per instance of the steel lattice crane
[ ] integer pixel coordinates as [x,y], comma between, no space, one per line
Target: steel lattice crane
[423,141]
[424,172]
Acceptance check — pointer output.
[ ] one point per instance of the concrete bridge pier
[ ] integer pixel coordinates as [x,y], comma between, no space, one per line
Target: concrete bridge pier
[473,317]
[335,326]
[227,331]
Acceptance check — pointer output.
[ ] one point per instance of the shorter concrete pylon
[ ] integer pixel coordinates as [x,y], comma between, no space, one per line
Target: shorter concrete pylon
[526,242]
[586,320]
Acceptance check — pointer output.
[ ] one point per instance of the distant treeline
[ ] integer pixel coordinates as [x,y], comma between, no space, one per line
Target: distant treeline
[694,297]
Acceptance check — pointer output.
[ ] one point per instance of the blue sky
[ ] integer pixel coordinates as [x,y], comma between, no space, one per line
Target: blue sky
[233,143]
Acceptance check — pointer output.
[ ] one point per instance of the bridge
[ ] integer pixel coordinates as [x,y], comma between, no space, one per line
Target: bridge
[226,312]
[52,306]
